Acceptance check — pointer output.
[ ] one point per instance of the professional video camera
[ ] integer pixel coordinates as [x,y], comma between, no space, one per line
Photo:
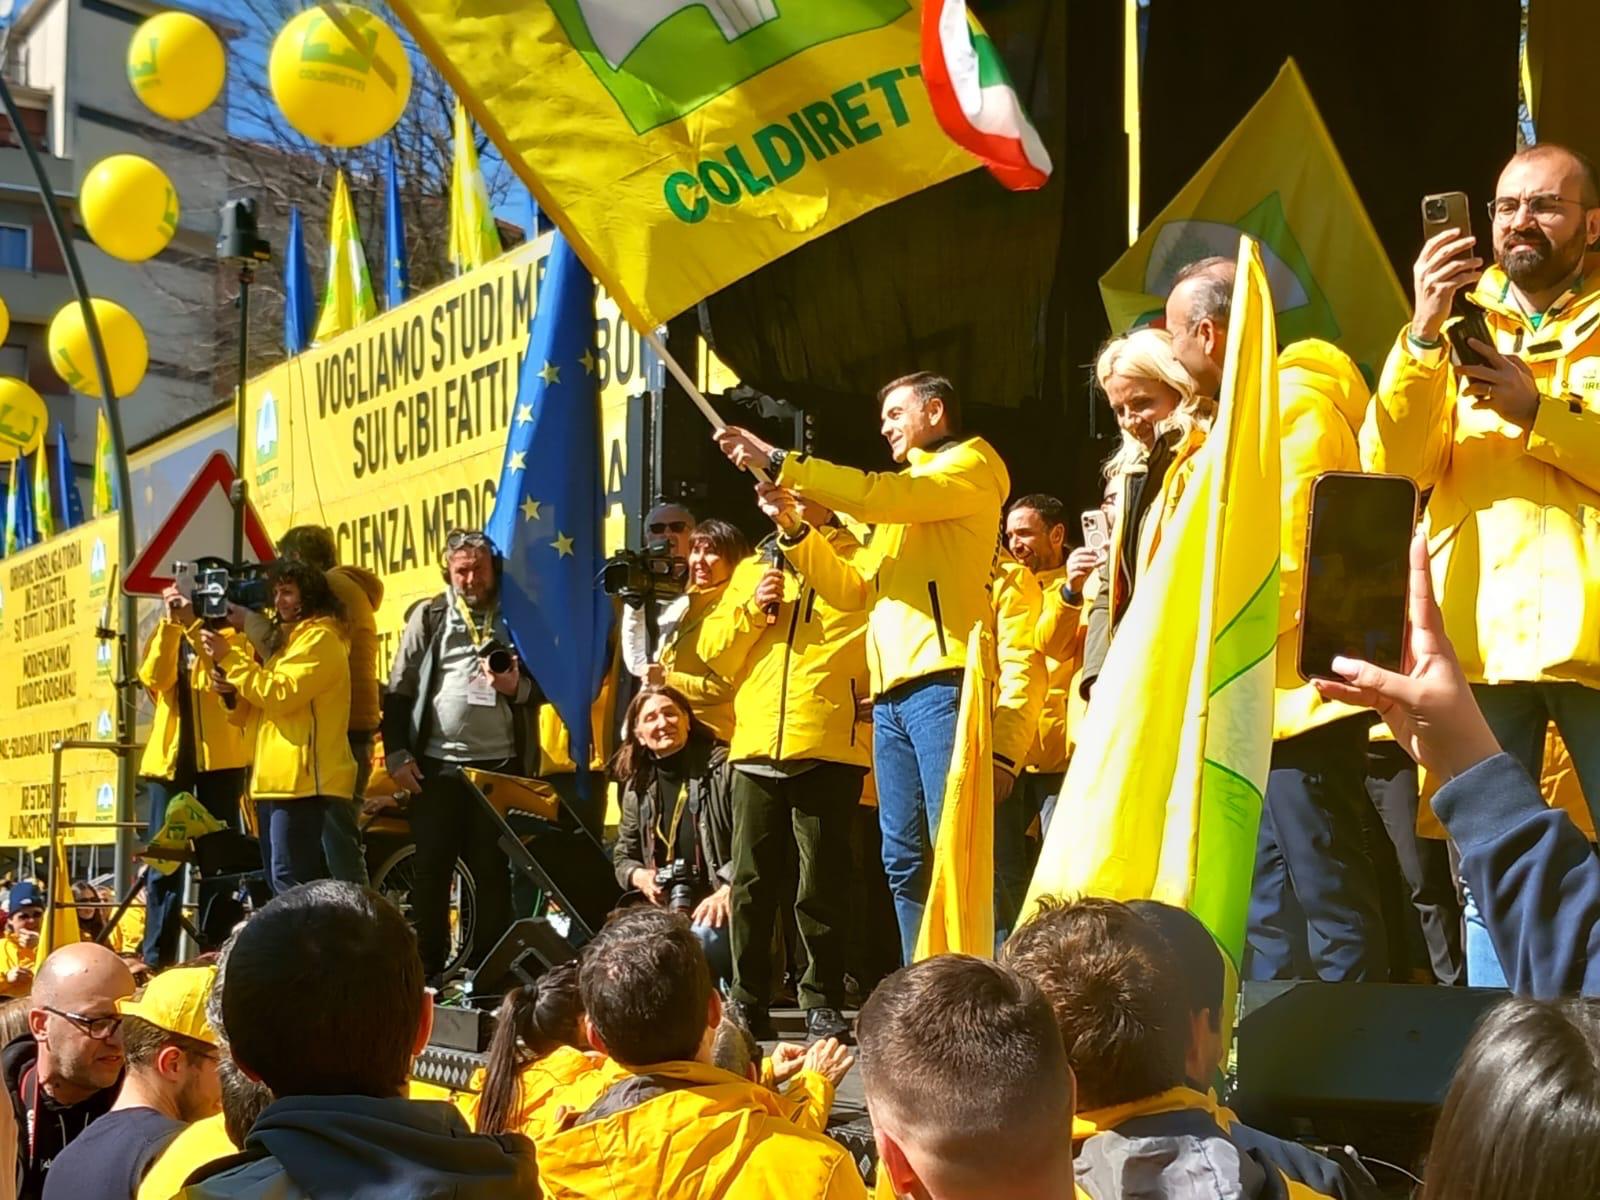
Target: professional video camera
[683,883]
[651,574]
[218,583]
[497,655]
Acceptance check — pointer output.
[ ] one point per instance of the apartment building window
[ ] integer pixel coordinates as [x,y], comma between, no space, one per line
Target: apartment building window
[16,247]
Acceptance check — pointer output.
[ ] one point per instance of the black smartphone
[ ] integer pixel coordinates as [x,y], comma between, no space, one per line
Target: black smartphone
[1356,568]
[1469,324]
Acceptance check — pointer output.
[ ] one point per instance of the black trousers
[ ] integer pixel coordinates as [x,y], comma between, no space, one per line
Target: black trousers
[792,829]
[448,822]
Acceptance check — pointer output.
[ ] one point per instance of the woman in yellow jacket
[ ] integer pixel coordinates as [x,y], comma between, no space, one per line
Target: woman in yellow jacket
[296,710]
[714,550]
[194,747]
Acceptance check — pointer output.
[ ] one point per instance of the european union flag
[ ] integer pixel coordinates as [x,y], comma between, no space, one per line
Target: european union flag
[548,513]
[69,504]
[22,528]
[397,276]
[299,302]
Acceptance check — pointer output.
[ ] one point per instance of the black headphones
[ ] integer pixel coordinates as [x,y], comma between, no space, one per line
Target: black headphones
[468,539]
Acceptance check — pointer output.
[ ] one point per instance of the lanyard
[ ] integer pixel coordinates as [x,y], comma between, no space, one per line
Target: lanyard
[670,834]
[478,636]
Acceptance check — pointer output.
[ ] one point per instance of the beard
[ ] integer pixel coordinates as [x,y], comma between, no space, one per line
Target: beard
[1535,264]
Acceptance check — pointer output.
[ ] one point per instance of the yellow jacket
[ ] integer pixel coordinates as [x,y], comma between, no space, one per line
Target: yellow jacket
[709,695]
[1322,399]
[14,954]
[360,592]
[218,741]
[703,1134]
[297,713]
[926,578]
[196,1145]
[1020,681]
[1057,635]
[565,1081]
[1512,525]
[798,678]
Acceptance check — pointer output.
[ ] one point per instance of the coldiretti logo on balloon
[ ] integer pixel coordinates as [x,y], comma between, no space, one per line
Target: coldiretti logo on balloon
[345,66]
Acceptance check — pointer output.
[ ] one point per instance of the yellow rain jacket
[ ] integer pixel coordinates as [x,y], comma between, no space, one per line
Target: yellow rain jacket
[1058,640]
[926,578]
[203,1142]
[361,593]
[1514,519]
[1321,402]
[297,713]
[563,1082]
[800,677]
[218,742]
[695,1133]
[14,954]
[709,695]
[1020,681]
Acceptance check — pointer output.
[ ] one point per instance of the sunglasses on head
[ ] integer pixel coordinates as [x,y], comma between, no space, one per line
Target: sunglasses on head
[668,526]
[465,539]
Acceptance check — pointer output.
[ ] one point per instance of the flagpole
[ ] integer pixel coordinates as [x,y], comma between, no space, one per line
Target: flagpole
[653,340]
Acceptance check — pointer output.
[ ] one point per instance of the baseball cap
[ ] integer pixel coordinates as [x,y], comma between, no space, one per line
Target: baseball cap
[175,1000]
[24,895]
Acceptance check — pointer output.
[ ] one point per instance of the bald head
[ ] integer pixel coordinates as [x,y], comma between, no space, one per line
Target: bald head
[1565,166]
[80,972]
[1198,307]
[73,1016]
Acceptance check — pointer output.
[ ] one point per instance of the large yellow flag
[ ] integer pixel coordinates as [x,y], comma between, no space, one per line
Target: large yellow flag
[681,144]
[1163,797]
[62,927]
[474,237]
[1278,177]
[104,469]
[959,915]
[347,300]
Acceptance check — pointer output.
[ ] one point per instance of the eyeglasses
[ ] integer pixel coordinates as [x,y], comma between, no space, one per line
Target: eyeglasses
[99,1028]
[668,526]
[1542,207]
[462,539]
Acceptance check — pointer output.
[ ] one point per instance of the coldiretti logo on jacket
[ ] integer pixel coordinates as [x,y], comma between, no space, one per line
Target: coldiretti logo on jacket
[679,54]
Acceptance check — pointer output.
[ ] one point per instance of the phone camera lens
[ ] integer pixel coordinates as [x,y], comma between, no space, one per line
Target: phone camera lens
[1436,210]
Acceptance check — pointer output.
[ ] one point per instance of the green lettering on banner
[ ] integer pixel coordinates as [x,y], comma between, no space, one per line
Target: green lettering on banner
[754,184]
[768,142]
[689,214]
[856,114]
[719,182]
[824,122]
[887,84]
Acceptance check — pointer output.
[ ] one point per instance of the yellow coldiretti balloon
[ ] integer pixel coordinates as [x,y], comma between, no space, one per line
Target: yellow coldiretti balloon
[129,207]
[5,321]
[23,417]
[127,352]
[176,64]
[332,91]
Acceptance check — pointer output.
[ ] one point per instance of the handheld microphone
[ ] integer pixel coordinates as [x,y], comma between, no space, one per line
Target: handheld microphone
[775,560]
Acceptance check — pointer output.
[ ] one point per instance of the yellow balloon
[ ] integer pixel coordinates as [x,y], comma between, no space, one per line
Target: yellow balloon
[176,65]
[23,418]
[129,207]
[328,89]
[5,321]
[127,352]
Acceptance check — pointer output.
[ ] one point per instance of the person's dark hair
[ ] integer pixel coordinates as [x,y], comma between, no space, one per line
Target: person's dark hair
[142,1041]
[316,596]
[243,1100]
[646,987]
[1116,992]
[92,918]
[312,544]
[633,763]
[1196,951]
[1589,193]
[1522,1118]
[734,1048]
[1212,295]
[1051,510]
[321,993]
[723,537]
[925,386]
[532,1021]
[964,1056]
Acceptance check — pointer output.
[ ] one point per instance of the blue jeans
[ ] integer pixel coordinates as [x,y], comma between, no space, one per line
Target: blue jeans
[291,840]
[1520,716]
[719,953]
[913,737]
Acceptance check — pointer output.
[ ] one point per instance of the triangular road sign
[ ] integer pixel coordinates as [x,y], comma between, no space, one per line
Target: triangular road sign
[199,526]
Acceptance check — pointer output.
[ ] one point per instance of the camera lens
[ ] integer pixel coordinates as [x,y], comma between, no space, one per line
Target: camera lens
[1435,210]
[500,661]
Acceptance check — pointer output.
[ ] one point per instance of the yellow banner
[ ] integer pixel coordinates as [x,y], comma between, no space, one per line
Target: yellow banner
[682,144]
[58,685]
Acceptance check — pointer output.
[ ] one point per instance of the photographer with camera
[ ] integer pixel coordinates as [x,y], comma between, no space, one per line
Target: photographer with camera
[675,840]
[458,697]
[651,584]
[195,746]
[295,708]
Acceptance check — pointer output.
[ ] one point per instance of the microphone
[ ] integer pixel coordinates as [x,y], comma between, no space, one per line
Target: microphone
[775,560]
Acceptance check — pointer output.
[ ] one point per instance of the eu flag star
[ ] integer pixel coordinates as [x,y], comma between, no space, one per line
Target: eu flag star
[588,361]
[562,544]
[517,461]
[551,373]
[530,509]
[524,413]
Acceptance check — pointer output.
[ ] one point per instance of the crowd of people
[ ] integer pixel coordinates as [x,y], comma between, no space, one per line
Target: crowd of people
[787,727]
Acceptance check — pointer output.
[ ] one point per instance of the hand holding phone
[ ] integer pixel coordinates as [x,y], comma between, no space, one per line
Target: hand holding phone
[1096,532]
[1446,264]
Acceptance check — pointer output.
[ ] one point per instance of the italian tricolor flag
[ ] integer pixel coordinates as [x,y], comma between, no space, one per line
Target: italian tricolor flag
[973,97]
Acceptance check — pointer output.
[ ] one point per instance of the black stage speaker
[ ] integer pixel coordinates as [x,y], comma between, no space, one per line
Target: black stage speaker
[529,948]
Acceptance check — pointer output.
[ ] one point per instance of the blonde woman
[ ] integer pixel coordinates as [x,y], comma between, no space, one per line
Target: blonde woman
[1164,422]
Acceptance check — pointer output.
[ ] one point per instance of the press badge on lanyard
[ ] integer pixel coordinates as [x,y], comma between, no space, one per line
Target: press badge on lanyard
[480,691]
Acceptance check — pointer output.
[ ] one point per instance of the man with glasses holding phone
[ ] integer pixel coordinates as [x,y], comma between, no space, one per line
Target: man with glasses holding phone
[64,1072]
[1510,449]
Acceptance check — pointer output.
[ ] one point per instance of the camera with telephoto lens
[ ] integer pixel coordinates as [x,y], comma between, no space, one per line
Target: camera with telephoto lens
[218,583]
[497,656]
[653,573]
[682,882]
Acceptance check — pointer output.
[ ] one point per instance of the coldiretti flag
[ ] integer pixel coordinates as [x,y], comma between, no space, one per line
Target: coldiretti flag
[105,474]
[62,928]
[1278,178]
[959,916]
[44,505]
[1166,786]
[474,238]
[681,144]
[347,300]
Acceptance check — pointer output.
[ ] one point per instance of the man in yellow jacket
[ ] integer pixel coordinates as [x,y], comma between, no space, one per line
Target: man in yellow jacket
[676,1127]
[800,666]
[1511,453]
[1315,911]
[925,584]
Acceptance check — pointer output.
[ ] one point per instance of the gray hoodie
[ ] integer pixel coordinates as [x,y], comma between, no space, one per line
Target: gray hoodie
[361,1148]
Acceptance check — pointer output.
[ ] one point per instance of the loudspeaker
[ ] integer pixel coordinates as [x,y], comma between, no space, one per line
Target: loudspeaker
[529,948]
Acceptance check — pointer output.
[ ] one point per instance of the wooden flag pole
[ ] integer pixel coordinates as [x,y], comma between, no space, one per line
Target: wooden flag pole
[655,343]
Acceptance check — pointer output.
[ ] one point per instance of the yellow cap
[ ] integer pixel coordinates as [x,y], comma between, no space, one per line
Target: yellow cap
[175,1000]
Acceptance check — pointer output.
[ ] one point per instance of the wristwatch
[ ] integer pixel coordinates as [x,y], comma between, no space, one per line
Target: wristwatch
[775,463]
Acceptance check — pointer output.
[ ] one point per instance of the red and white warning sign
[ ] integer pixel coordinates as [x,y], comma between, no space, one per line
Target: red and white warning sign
[199,526]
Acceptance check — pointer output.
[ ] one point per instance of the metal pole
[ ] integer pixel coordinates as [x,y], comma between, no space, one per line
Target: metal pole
[127,700]
[239,491]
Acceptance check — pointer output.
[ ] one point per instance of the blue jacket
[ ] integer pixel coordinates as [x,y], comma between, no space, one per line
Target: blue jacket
[1534,875]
